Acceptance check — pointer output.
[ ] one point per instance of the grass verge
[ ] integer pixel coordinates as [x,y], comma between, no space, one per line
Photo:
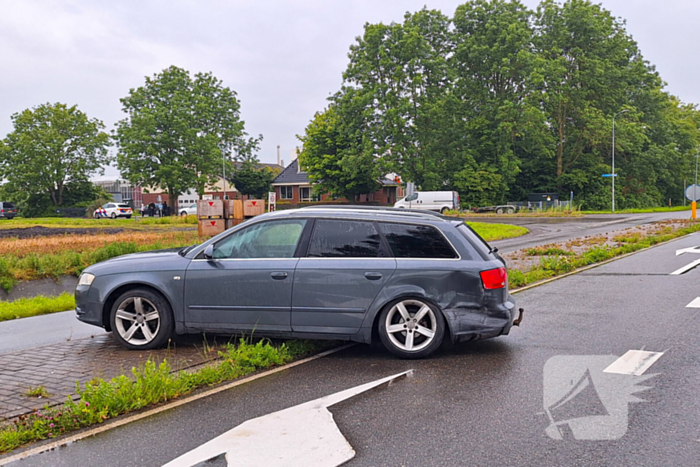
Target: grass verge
[71,222]
[25,307]
[99,400]
[641,211]
[554,263]
[491,232]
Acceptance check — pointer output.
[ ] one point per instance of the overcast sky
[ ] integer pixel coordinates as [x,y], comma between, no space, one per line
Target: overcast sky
[283,58]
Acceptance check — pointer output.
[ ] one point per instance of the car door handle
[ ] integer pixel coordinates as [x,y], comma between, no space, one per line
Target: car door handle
[373,276]
[279,275]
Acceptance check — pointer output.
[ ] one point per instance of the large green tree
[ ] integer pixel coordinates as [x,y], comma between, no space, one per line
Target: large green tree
[176,132]
[51,147]
[333,156]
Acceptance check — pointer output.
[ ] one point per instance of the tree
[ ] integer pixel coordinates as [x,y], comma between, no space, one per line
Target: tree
[333,157]
[252,181]
[398,75]
[51,147]
[177,130]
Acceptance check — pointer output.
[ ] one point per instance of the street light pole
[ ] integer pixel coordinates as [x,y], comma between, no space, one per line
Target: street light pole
[223,164]
[613,156]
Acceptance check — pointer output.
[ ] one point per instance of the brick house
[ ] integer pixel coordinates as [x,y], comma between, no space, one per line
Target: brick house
[294,187]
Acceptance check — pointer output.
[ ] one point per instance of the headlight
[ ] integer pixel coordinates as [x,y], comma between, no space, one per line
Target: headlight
[86,279]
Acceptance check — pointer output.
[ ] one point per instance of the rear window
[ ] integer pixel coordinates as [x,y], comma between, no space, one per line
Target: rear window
[475,240]
[124,206]
[344,239]
[417,241]
[8,205]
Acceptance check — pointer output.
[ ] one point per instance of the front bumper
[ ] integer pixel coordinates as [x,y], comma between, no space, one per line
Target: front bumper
[87,309]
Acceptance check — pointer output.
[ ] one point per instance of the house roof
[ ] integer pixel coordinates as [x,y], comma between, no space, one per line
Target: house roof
[259,165]
[292,176]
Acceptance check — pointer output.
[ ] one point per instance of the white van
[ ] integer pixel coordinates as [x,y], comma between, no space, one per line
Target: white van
[439,201]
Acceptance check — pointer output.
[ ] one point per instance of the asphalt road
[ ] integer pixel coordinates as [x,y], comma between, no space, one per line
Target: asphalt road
[483,403]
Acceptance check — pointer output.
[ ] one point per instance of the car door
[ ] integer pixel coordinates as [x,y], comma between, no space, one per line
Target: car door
[247,285]
[335,283]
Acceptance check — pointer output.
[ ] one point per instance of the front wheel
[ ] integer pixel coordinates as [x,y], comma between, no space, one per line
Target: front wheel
[114,215]
[141,319]
[183,213]
[411,328]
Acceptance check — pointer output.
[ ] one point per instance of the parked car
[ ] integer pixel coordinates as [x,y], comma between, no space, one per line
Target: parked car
[189,210]
[439,201]
[7,210]
[409,279]
[113,210]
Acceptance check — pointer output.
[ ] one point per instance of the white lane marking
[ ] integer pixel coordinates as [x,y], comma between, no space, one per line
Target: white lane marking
[686,268]
[302,435]
[634,362]
[694,304]
[693,249]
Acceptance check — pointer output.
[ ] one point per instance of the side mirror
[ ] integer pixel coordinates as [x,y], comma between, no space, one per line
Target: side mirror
[209,252]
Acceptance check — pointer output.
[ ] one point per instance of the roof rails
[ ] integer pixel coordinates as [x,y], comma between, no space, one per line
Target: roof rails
[382,209]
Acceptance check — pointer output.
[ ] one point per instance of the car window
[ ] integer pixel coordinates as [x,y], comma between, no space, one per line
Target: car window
[412,197]
[276,239]
[8,205]
[417,241]
[124,206]
[194,206]
[344,239]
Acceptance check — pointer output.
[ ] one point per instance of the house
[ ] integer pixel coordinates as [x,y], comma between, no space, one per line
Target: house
[293,186]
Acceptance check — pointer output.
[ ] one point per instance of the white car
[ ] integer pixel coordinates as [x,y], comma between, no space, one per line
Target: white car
[189,210]
[113,210]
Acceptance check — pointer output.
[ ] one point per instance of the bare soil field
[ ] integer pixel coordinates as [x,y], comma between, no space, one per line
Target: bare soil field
[39,231]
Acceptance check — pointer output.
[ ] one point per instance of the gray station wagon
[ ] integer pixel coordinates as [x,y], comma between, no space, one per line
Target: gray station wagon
[409,279]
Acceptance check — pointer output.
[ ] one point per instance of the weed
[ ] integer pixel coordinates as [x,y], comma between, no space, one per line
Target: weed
[548,251]
[38,392]
[40,305]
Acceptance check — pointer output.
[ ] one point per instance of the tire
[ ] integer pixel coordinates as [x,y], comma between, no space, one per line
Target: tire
[183,213]
[149,328]
[399,335]
[499,211]
[510,210]
[114,215]
[128,217]
[443,211]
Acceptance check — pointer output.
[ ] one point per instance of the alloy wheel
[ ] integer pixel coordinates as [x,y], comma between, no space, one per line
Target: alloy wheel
[411,325]
[137,321]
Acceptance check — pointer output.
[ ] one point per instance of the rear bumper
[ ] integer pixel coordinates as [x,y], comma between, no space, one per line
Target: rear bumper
[482,323]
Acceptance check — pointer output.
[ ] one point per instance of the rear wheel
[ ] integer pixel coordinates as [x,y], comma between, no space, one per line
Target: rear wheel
[128,217]
[114,215]
[141,319]
[183,213]
[510,211]
[443,210]
[411,328]
[499,211]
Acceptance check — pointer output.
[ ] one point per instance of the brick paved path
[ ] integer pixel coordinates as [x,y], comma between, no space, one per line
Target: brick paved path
[57,367]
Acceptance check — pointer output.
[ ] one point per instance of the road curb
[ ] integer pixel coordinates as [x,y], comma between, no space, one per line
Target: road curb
[591,266]
[126,419]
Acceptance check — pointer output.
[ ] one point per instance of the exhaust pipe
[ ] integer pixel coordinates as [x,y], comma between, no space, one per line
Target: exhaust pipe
[519,319]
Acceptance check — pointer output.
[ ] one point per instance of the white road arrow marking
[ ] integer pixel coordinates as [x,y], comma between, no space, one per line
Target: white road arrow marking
[302,435]
[634,362]
[694,304]
[693,249]
[686,268]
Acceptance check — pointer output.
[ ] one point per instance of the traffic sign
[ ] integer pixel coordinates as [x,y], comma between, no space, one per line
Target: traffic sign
[693,192]
[609,175]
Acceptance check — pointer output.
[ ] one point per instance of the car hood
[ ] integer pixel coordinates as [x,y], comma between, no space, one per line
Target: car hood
[158,260]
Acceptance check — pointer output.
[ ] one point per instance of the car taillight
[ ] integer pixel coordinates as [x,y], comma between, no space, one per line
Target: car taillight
[494,278]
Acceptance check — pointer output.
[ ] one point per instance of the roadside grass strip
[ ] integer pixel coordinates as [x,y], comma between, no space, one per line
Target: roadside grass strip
[641,210]
[99,400]
[41,305]
[555,263]
[71,222]
[491,232]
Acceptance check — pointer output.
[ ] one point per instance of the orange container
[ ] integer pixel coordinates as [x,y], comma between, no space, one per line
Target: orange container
[211,227]
[210,208]
[253,207]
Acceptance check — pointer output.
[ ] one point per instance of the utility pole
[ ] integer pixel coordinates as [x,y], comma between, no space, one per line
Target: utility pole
[694,206]
[223,165]
[613,156]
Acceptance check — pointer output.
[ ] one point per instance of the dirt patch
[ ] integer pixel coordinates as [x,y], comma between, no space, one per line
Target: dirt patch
[38,231]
